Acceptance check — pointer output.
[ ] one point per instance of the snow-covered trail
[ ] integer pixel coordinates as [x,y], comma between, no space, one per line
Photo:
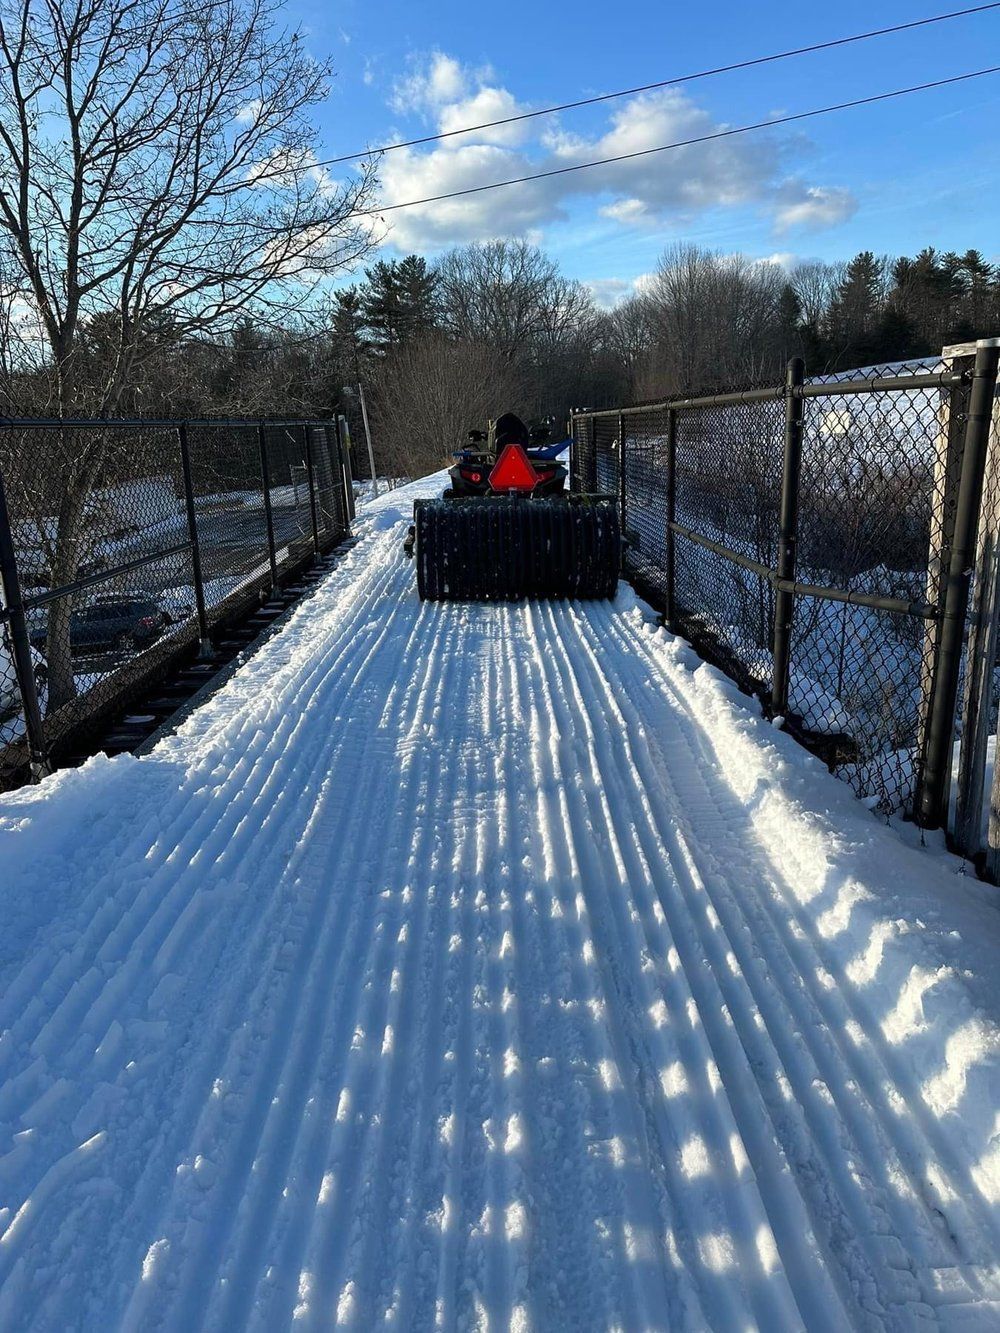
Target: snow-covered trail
[467,966]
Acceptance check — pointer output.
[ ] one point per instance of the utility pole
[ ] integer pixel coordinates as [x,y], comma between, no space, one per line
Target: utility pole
[368,437]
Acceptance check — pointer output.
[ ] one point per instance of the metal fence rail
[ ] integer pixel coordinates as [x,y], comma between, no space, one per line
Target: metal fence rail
[126,542]
[815,539]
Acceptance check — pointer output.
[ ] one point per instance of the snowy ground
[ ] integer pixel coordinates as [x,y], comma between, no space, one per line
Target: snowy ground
[465,966]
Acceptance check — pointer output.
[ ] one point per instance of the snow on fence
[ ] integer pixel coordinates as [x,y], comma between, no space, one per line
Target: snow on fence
[815,539]
[124,543]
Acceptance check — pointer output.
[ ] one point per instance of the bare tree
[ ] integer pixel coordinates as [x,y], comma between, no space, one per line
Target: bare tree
[815,283]
[430,393]
[510,296]
[716,319]
[629,330]
[157,164]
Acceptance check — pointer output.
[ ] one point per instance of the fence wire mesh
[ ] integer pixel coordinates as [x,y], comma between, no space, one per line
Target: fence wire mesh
[876,494]
[871,484]
[728,484]
[101,552]
[645,443]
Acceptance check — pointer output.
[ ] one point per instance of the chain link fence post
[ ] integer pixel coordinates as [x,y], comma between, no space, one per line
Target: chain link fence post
[670,570]
[950,442]
[205,642]
[621,475]
[784,602]
[331,438]
[933,793]
[265,481]
[20,647]
[311,474]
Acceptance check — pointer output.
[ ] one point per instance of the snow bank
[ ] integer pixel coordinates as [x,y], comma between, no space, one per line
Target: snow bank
[912,940]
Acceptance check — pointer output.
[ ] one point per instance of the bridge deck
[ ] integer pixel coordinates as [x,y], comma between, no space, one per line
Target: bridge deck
[487,966]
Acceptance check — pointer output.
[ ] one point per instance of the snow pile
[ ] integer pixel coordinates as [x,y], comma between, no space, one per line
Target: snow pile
[469,966]
[908,945]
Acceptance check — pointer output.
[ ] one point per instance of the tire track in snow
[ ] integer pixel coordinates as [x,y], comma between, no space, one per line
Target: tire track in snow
[116,926]
[848,1013]
[508,945]
[625,1187]
[586,1200]
[179,1110]
[371,1082]
[323,946]
[863,1151]
[694,1146]
[791,1232]
[503,1228]
[302,756]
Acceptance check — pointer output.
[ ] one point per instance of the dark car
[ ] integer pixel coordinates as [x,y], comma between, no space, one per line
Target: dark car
[113,623]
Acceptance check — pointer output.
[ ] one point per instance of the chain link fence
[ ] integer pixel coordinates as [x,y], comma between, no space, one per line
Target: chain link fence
[808,538]
[126,543]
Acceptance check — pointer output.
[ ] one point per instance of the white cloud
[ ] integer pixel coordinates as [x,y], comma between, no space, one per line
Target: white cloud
[485,105]
[651,190]
[633,212]
[282,167]
[249,114]
[813,206]
[407,174]
[607,292]
[781,259]
[441,80]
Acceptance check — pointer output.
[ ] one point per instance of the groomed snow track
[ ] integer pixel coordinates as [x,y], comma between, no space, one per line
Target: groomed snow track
[468,966]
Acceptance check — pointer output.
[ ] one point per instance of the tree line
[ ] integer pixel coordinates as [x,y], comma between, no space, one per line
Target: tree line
[441,346]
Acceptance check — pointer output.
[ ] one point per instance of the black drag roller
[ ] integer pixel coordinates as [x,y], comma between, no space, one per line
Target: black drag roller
[502,549]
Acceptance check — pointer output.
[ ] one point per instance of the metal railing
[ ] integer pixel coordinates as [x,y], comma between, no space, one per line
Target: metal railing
[125,543]
[816,539]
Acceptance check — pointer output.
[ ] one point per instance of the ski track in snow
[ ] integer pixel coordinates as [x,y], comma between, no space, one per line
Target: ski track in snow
[487,967]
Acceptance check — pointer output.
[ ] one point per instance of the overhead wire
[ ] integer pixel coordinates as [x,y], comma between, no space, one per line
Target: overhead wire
[751,63]
[682,143]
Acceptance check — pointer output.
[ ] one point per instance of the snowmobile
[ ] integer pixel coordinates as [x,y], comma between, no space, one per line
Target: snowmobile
[507,527]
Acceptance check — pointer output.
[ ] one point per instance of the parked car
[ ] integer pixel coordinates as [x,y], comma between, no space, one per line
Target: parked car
[113,622]
[10,700]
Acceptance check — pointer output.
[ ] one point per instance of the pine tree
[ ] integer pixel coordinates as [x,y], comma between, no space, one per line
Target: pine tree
[789,317]
[856,310]
[980,304]
[928,289]
[399,301]
[417,296]
[380,304]
[350,346]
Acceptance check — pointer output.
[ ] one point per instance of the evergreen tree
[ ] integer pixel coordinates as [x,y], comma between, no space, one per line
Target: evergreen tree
[928,289]
[399,301]
[417,296]
[979,303]
[856,310]
[350,346]
[789,319]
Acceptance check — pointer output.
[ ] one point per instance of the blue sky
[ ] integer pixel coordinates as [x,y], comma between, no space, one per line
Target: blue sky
[894,177]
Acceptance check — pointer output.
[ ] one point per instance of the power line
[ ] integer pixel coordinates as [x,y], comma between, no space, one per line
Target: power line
[683,143]
[663,83]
